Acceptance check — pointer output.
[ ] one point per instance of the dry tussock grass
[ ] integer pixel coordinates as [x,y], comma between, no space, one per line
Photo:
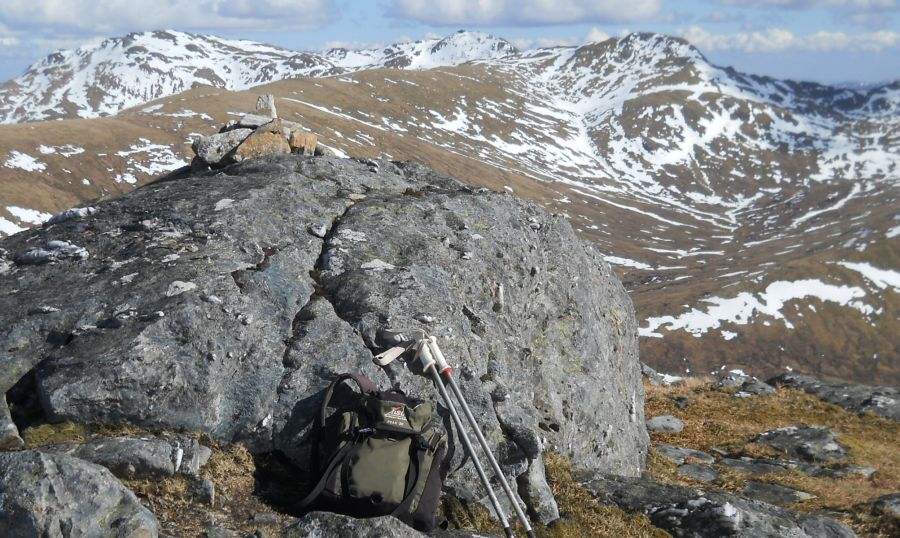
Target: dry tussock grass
[583,515]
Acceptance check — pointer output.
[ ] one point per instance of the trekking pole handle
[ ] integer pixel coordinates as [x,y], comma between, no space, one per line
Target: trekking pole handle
[424,355]
[441,362]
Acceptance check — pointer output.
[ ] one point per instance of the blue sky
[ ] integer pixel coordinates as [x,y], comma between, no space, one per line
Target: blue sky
[831,41]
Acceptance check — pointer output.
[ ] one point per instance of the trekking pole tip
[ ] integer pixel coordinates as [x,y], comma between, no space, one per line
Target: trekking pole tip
[508,532]
[531,534]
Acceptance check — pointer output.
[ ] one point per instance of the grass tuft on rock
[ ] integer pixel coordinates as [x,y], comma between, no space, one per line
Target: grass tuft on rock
[583,515]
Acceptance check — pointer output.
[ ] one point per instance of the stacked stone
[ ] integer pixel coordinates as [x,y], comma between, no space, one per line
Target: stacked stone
[254,135]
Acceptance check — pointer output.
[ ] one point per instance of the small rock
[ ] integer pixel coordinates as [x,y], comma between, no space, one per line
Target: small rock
[303,143]
[425,318]
[265,105]
[213,149]
[808,443]
[212,299]
[224,203]
[376,265]
[42,310]
[52,251]
[657,379]
[665,423]
[682,402]
[679,455]
[753,466]
[774,493]
[699,472]
[69,214]
[318,230]
[537,493]
[178,287]
[205,491]
[153,316]
[888,504]
[754,387]
[254,121]
[266,140]
[733,379]
[837,472]
[265,518]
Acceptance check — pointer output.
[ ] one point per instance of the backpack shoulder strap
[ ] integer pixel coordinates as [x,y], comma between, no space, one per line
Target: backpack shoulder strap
[366,386]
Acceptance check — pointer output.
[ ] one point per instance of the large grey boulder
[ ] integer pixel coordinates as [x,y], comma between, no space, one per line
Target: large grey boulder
[214,148]
[206,304]
[58,495]
[706,513]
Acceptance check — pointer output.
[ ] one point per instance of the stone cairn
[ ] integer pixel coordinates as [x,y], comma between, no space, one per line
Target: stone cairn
[254,135]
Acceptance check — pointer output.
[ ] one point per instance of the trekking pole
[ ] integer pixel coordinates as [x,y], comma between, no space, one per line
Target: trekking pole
[427,361]
[446,372]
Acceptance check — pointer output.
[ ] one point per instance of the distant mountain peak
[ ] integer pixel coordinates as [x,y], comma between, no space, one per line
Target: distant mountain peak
[121,72]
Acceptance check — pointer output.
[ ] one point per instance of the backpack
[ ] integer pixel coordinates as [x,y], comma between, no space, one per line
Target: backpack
[379,454]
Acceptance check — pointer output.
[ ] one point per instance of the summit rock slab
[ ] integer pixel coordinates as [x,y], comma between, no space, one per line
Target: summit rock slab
[539,329]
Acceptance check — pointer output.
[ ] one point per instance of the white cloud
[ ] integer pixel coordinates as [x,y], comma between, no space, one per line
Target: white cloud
[816,4]
[593,36]
[870,13]
[524,12]
[353,45]
[90,17]
[778,40]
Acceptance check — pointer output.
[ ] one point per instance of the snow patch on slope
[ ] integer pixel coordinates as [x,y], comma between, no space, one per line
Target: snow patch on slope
[744,308]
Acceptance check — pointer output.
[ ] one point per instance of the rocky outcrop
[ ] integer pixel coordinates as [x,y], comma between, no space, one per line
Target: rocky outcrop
[207,303]
[58,495]
[329,524]
[140,457]
[884,401]
[808,443]
[690,512]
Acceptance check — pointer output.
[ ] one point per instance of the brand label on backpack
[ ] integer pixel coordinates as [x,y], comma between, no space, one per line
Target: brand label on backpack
[396,416]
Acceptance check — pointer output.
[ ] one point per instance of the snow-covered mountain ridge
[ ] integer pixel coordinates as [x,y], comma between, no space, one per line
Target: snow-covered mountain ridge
[123,72]
[753,220]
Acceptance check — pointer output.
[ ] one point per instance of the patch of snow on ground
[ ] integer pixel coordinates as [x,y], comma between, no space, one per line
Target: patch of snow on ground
[23,161]
[742,309]
[66,150]
[880,277]
[28,215]
[616,260]
[159,159]
[8,228]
